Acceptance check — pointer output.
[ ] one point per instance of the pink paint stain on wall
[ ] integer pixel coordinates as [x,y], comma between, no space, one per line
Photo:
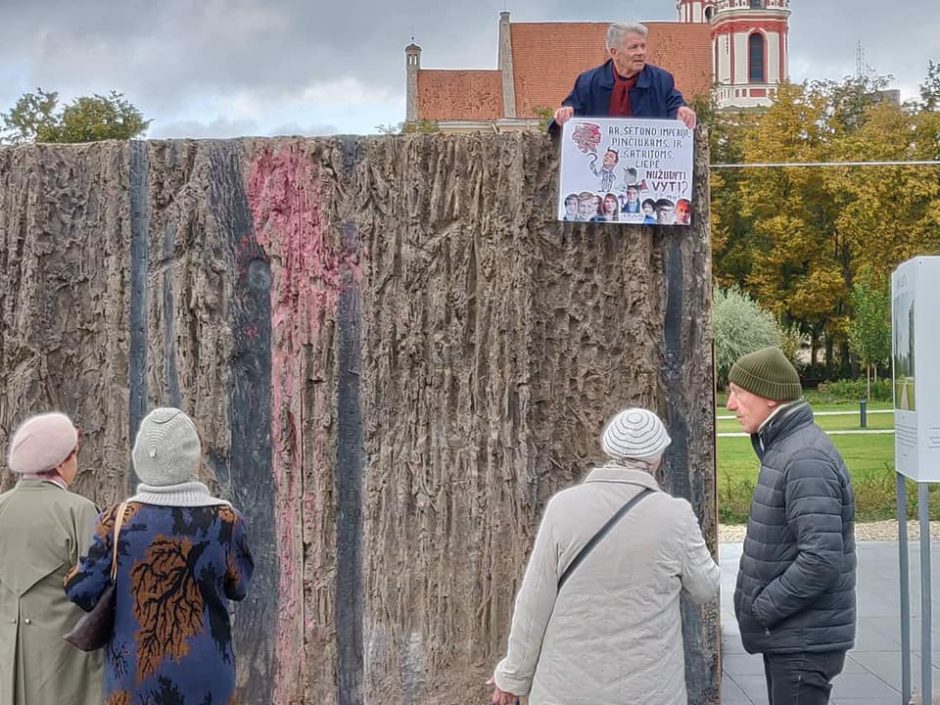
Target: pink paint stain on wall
[286,194]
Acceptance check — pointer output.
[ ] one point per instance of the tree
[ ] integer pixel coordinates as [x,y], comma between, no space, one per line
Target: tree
[740,327]
[930,88]
[420,127]
[545,116]
[796,238]
[870,329]
[38,117]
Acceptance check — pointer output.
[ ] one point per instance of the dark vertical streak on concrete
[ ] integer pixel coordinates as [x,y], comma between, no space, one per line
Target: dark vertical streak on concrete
[251,485]
[171,375]
[350,461]
[699,672]
[677,471]
[140,245]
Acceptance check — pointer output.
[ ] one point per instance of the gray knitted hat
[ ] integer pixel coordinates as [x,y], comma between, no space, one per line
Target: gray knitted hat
[768,374]
[636,433]
[167,449]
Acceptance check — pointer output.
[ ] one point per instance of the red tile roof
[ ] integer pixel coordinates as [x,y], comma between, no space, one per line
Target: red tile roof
[548,56]
[459,95]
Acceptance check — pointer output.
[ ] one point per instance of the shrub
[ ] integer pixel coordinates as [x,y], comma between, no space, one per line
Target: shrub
[855,389]
[875,498]
[740,326]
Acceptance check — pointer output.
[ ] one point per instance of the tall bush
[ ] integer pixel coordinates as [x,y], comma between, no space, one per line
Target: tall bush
[740,326]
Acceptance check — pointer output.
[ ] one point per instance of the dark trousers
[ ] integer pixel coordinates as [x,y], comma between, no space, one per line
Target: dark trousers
[801,679]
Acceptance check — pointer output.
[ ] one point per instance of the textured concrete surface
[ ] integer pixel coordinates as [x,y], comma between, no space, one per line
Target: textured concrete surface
[394,355]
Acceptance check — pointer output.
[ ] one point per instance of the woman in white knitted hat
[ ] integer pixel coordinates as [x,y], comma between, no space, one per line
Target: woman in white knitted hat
[44,528]
[597,617]
[182,555]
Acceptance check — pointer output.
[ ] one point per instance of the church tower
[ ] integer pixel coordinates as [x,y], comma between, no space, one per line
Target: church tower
[412,67]
[696,11]
[750,50]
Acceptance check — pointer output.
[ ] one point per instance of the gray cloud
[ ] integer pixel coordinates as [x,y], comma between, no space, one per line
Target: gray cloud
[297,129]
[220,128]
[236,61]
[824,37]
[223,128]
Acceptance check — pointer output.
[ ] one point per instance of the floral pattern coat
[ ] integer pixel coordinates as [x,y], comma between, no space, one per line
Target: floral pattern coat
[177,569]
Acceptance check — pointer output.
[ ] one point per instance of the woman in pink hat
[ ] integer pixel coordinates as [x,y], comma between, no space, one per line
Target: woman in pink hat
[44,529]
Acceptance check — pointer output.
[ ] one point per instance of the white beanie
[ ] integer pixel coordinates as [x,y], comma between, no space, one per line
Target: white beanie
[167,448]
[637,434]
[42,443]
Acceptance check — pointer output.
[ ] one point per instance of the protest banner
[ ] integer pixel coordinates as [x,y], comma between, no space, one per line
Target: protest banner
[626,170]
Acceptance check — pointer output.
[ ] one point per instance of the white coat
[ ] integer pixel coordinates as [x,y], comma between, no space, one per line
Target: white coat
[613,634]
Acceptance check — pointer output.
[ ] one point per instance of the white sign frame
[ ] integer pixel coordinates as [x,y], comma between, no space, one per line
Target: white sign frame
[635,162]
[915,343]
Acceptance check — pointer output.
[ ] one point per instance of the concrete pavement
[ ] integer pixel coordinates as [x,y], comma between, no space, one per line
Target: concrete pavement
[873,669]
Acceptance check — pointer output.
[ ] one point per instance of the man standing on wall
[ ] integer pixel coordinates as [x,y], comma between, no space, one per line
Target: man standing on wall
[625,85]
[795,595]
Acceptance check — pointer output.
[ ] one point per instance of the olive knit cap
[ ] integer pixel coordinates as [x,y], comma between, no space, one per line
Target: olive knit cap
[768,374]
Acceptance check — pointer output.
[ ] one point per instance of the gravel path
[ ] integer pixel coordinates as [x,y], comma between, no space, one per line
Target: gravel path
[869,531]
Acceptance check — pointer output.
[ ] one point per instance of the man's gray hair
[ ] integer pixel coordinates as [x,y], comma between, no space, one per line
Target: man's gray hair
[617,31]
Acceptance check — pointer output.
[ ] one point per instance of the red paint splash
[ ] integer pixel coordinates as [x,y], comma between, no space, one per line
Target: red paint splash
[287,194]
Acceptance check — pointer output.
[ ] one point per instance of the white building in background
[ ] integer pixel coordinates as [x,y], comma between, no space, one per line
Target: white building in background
[750,47]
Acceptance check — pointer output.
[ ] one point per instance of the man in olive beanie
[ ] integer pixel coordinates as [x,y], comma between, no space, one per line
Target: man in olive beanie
[795,595]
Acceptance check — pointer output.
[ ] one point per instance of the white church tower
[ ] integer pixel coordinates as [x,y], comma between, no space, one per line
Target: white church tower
[697,11]
[750,47]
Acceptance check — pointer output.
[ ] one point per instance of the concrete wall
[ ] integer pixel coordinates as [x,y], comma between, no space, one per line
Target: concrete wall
[395,356]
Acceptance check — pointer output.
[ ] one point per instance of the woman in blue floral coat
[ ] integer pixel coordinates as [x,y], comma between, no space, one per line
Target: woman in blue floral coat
[182,554]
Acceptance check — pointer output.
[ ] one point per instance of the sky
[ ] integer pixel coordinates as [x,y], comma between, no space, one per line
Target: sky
[226,68]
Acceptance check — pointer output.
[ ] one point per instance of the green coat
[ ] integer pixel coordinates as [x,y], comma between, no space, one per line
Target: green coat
[44,529]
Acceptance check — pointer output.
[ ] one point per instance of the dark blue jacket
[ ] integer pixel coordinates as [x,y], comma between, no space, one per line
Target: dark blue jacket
[653,96]
[796,584]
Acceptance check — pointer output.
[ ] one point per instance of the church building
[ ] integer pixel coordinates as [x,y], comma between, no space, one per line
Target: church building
[738,47]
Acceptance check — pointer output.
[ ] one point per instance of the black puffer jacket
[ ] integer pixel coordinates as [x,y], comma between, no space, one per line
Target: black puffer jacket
[796,584]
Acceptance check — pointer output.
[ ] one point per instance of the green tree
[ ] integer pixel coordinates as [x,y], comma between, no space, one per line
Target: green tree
[38,117]
[930,88]
[390,128]
[796,238]
[421,127]
[740,326]
[545,116]
[870,329]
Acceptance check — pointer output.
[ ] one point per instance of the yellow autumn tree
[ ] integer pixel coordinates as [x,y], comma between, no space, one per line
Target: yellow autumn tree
[796,237]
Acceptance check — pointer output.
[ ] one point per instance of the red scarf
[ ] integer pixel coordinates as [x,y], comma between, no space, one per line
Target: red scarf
[620,96]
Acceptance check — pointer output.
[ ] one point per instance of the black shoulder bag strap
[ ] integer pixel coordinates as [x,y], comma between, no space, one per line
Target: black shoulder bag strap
[604,530]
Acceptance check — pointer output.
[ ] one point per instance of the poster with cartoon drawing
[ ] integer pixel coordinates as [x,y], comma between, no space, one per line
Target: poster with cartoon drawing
[626,170]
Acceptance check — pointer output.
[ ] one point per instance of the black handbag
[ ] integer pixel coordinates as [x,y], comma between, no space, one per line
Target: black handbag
[95,628]
[602,532]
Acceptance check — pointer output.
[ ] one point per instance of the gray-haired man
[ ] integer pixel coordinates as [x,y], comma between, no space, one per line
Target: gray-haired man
[625,86]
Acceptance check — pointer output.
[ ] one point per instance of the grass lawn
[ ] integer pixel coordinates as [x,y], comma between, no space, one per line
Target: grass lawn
[870,459]
[849,422]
